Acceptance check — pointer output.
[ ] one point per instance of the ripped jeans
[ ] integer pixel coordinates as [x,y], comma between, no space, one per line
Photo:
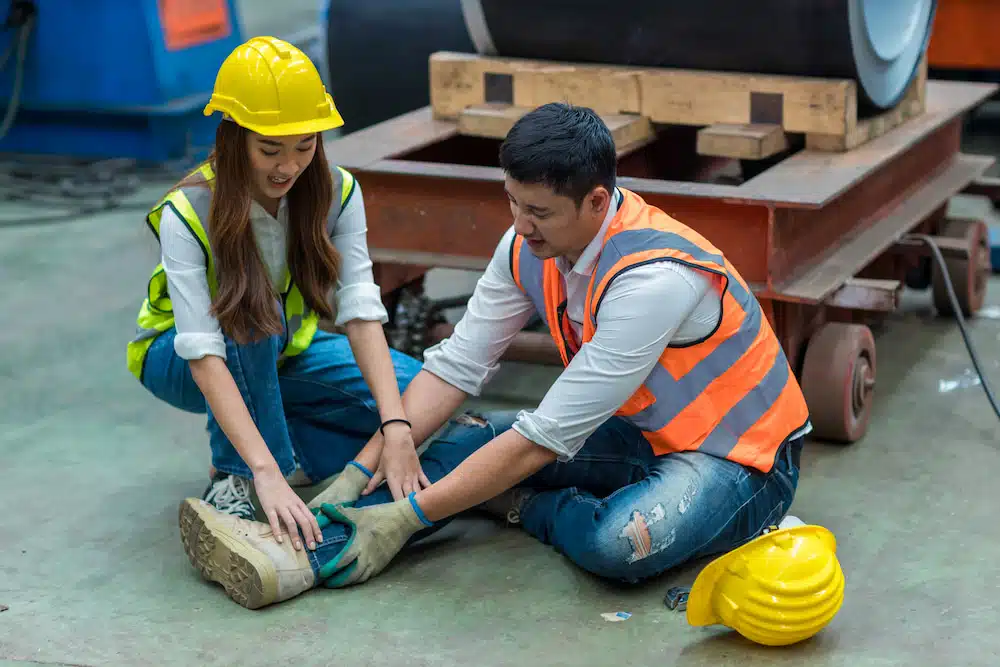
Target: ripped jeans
[617,510]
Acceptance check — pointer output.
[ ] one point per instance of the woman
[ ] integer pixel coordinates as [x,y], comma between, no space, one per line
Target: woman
[252,243]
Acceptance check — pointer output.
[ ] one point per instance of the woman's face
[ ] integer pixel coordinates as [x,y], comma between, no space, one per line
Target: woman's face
[276,162]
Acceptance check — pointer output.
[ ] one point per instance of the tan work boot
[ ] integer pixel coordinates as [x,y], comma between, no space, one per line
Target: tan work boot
[242,556]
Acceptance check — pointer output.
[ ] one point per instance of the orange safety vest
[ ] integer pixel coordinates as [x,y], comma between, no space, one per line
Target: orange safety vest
[732,394]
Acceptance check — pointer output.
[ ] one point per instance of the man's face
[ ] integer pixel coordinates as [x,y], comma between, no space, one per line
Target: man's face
[551,224]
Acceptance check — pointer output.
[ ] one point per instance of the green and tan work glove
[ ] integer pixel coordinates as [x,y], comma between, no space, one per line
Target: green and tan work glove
[346,488]
[380,531]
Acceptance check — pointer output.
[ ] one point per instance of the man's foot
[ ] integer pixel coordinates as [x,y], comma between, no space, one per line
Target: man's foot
[242,556]
[230,494]
[507,505]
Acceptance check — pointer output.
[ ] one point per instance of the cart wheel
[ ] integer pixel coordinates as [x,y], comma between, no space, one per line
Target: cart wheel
[838,381]
[969,275]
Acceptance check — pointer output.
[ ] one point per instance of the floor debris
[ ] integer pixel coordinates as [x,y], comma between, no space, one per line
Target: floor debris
[616,616]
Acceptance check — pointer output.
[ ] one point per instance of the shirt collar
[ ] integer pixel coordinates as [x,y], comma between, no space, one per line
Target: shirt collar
[258,212]
[588,258]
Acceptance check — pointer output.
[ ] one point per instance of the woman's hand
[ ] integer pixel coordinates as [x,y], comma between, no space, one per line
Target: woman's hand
[399,464]
[281,504]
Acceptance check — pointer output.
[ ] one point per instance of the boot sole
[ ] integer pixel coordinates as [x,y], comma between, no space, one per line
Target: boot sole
[246,574]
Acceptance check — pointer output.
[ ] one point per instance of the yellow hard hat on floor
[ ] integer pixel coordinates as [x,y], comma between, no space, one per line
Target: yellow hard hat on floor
[778,589]
[272,88]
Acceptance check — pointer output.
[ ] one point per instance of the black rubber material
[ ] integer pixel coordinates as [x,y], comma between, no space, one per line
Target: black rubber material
[793,37]
[377,53]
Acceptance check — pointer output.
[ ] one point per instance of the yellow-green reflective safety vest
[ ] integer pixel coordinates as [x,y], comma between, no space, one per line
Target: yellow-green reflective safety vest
[191,204]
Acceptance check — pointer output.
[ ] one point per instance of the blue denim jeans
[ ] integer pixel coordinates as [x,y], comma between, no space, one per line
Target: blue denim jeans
[315,409]
[617,510]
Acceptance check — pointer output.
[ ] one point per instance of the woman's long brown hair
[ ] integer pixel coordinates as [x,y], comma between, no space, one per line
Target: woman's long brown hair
[246,304]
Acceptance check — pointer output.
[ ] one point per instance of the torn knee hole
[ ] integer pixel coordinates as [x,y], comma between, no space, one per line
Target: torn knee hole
[643,542]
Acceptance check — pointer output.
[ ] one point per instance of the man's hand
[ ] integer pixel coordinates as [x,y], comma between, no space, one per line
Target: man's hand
[380,532]
[398,464]
[345,489]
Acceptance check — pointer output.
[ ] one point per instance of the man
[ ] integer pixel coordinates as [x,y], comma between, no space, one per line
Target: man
[674,431]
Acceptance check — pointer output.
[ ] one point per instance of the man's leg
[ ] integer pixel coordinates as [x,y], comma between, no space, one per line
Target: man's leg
[256,571]
[689,505]
[331,412]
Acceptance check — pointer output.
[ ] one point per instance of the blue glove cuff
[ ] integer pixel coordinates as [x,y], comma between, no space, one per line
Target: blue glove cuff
[420,512]
[362,469]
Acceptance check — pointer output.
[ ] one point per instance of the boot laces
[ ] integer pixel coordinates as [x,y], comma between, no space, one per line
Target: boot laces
[231,496]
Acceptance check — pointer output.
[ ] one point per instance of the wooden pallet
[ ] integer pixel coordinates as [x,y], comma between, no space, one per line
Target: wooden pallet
[741,115]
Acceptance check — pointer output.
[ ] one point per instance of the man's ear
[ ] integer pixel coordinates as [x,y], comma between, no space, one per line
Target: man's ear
[598,199]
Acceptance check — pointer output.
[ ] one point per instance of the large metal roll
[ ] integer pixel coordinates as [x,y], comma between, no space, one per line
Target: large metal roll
[377,53]
[878,43]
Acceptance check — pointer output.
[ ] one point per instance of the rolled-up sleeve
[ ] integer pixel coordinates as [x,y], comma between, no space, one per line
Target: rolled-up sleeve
[358,297]
[496,312]
[198,331]
[639,315]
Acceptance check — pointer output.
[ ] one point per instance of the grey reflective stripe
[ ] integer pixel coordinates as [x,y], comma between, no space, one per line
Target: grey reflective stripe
[142,334]
[673,395]
[201,202]
[748,410]
[532,276]
[335,208]
[294,324]
[632,241]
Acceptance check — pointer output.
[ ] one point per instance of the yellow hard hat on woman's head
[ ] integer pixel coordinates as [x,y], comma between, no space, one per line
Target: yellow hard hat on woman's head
[271,87]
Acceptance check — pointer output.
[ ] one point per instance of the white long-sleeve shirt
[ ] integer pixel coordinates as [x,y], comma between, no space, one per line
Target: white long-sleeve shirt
[198,332]
[643,310]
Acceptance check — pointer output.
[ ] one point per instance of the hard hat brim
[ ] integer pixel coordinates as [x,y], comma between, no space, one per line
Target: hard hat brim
[290,129]
[699,606]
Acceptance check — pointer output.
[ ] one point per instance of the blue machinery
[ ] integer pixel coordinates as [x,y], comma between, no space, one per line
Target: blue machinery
[97,79]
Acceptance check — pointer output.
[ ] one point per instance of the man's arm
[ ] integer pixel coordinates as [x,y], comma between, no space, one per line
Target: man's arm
[463,363]
[640,314]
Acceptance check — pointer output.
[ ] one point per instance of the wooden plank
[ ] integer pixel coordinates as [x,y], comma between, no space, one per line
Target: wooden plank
[913,104]
[748,142]
[489,120]
[805,180]
[813,178]
[496,120]
[860,247]
[798,104]
[460,80]
[867,294]
[673,96]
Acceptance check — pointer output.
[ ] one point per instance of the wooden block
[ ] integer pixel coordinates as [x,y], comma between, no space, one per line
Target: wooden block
[798,104]
[489,120]
[459,80]
[749,142]
[913,104]
[495,120]
[826,110]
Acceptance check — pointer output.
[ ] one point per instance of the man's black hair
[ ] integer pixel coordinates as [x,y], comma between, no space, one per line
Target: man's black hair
[566,148]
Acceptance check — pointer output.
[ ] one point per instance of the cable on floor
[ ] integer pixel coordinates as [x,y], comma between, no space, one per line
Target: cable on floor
[956,308]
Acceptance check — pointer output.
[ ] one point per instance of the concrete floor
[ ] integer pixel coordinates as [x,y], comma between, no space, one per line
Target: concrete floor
[92,469]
